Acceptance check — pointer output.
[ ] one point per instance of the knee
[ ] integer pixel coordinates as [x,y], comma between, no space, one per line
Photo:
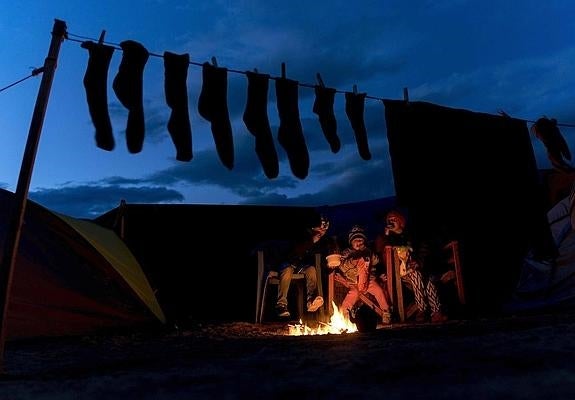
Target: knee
[286,272]
[310,272]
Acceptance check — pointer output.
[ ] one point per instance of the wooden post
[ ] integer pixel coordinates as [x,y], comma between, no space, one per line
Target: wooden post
[12,239]
[120,220]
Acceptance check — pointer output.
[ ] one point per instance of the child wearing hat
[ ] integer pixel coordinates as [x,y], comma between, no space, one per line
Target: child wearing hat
[424,290]
[358,266]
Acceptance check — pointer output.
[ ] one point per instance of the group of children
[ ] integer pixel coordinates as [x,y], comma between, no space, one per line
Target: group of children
[362,266]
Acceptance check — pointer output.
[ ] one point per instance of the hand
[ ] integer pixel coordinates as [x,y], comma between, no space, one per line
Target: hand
[412,264]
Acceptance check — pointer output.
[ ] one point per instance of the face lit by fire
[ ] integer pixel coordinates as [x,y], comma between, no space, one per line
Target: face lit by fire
[394,222]
[403,252]
[320,230]
[358,244]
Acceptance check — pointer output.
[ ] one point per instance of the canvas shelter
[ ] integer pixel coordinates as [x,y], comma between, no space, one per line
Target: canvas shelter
[201,257]
[496,211]
[73,277]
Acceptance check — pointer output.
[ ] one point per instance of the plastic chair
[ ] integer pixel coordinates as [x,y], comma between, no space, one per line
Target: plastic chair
[272,278]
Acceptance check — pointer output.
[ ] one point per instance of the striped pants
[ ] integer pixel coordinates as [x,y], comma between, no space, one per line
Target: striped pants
[425,295]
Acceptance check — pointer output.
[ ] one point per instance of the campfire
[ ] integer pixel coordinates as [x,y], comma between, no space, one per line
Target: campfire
[337,325]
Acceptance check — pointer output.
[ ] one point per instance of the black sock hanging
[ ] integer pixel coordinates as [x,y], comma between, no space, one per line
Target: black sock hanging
[323,107]
[354,107]
[212,105]
[290,132]
[128,86]
[176,91]
[96,86]
[256,119]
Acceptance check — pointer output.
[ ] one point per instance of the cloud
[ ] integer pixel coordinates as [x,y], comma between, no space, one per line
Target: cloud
[91,200]
[342,178]
[455,53]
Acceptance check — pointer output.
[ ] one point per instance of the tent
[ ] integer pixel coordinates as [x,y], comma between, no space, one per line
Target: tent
[72,277]
[550,283]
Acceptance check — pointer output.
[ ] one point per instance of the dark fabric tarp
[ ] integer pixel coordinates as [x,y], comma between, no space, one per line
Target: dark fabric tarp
[198,257]
[475,176]
[201,257]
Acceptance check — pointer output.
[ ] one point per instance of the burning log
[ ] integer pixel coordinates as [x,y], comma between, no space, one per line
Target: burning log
[337,325]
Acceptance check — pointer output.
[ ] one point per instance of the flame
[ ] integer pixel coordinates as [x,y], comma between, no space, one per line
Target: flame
[338,324]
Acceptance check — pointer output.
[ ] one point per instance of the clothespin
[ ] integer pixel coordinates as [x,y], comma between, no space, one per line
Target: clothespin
[319,80]
[283,70]
[214,62]
[354,89]
[405,95]
[101,39]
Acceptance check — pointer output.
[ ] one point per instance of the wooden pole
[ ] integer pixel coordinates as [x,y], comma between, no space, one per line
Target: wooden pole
[12,239]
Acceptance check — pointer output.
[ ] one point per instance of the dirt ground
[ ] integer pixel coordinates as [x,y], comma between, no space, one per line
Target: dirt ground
[528,357]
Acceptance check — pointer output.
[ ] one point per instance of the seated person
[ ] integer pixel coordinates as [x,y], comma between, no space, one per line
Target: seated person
[359,266]
[299,257]
[425,291]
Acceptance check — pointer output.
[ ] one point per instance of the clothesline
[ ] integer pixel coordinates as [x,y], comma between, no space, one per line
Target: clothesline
[213,107]
[37,71]
[34,72]
[199,64]
[308,85]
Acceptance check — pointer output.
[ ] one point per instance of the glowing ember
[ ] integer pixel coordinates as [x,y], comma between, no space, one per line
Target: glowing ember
[337,325]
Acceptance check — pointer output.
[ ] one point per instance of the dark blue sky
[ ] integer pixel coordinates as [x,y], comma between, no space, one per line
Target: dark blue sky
[481,56]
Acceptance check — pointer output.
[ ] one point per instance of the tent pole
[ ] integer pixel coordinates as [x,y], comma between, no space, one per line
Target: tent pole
[12,239]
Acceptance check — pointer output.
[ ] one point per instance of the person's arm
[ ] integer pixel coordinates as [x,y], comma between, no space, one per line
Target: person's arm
[347,266]
[362,274]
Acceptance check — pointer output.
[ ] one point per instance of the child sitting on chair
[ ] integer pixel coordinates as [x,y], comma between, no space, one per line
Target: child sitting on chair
[358,266]
[425,291]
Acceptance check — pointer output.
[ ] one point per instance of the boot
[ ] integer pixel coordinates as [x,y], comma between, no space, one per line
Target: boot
[438,316]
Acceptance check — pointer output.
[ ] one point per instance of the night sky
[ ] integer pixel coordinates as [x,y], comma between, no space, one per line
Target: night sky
[480,56]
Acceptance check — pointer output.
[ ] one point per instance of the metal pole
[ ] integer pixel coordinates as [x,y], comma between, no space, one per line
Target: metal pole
[12,239]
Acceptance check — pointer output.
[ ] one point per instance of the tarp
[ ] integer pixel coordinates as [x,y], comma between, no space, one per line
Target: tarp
[474,176]
[201,257]
[72,277]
